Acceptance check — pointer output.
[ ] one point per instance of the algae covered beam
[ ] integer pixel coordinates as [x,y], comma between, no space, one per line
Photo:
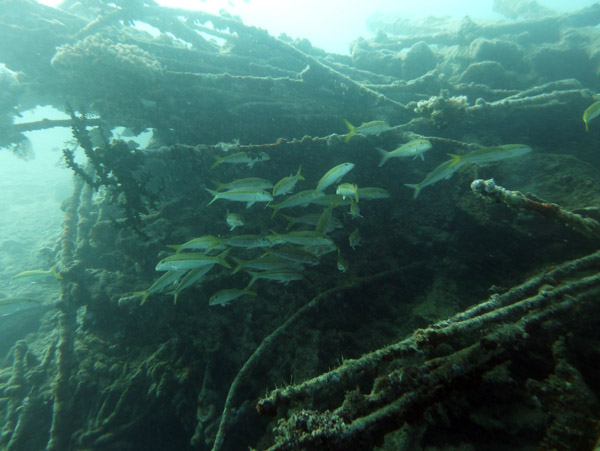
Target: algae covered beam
[51,123]
[434,369]
[488,189]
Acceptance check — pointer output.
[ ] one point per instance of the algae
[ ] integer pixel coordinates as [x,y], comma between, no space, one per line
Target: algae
[420,343]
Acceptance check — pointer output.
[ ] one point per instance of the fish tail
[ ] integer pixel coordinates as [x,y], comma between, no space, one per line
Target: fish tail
[275,209]
[350,131]
[214,193]
[384,156]
[240,265]
[456,159]
[415,187]
[290,221]
[55,273]
[218,161]
[221,258]
[275,236]
[254,279]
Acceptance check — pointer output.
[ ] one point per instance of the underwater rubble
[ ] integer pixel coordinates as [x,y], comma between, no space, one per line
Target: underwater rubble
[395,249]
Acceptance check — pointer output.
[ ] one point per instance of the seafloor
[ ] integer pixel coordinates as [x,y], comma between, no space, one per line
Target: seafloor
[463,320]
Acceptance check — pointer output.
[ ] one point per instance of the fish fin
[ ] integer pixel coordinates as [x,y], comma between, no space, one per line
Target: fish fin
[218,185]
[586,126]
[218,161]
[175,247]
[414,186]
[175,296]
[298,175]
[350,131]
[250,203]
[456,159]
[251,293]
[144,294]
[384,155]
[214,193]
[422,155]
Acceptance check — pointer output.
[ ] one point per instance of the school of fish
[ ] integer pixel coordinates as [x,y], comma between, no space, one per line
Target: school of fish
[283,256]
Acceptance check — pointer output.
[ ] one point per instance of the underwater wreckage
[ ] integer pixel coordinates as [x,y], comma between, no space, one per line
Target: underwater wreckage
[453,322]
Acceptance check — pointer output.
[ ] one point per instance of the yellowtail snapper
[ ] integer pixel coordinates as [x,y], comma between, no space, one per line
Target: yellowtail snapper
[442,172]
[203,242]
[349,190]
[36,274]
[334,175]
[224,297]
[300,199]
[234,220]
[191,260]
[166,280]
[282,275]
[252,182]
[248,195]
[303,238]
[287,184]
[590,113]
[492,154]
[241,157]
[247,241]
[415,148]
[354,239]
[366,128]
[192,276]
